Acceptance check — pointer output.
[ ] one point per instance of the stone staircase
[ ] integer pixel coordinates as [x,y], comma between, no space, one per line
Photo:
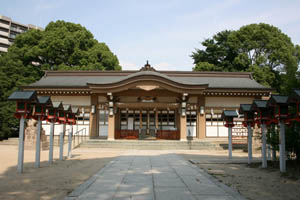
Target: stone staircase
[10,141]
[151,144]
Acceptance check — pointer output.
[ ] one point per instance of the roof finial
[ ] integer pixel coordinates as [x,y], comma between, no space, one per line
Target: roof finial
[147,64]
[147,67]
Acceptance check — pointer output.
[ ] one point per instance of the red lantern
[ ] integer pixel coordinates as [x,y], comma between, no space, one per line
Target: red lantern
[39,110]
[228,116]
[248,115]
[63,114]
[52,115]
[23,99]
[72,116]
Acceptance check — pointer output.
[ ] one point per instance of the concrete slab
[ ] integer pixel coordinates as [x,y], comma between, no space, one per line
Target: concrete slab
[153,175]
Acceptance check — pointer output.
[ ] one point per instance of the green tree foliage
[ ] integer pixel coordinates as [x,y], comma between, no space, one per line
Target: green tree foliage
[266,52]
[61,46]
[258,48]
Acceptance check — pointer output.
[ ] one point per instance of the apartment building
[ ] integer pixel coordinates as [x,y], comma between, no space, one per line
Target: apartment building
[10,29]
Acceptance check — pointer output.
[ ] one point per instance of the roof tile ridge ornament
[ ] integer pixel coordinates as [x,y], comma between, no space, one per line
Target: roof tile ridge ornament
[147,67]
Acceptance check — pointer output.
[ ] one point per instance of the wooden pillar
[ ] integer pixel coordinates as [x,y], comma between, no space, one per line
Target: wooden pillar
[156,119]
[201,120]
[94,117]
[118,120]
[182,128]
[111,127]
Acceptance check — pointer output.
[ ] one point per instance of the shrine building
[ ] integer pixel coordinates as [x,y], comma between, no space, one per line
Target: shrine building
[150,104]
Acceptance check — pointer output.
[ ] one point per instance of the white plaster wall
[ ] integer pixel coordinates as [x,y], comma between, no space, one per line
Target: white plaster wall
[57,129]
[73,100]
[227,101]
[211,131]
[223,131]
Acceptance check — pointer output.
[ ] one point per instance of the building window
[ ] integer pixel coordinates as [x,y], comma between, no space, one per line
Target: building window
[103,117]
[130,119]
[83,118]
[215,124]
[191,118]
[11,35]
[166,119]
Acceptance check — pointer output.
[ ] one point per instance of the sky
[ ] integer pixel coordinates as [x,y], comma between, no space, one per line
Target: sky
[165,32]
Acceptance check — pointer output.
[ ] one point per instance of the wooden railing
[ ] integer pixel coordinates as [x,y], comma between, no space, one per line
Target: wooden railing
[127,134]
[161,134]
[168,135]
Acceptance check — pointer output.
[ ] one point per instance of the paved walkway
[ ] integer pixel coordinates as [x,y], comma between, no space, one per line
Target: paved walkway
[152,175]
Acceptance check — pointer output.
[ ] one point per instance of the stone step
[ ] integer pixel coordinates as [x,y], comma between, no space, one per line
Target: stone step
[149,144]
[10,141]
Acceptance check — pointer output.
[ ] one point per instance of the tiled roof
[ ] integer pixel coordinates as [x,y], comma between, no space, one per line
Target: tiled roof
[214,80]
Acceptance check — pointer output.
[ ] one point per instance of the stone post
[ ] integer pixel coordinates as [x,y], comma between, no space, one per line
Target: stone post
[264,145]
[51,142]
[38,143]
[249,144]
[282,147]
[21,145]
[230,142]
[61,142]
[70,141]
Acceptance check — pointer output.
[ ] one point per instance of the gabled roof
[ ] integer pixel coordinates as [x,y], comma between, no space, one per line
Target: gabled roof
[245,108]
[23,96]
[229,113]
[294,96]
[44,100]
[278,99]
[75,110]
[67,108]
[58,105]
[259,104]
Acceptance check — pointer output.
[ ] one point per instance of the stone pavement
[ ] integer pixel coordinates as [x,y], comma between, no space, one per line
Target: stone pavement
[152,175]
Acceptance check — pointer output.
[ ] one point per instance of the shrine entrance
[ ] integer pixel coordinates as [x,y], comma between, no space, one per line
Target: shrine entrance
[147,124]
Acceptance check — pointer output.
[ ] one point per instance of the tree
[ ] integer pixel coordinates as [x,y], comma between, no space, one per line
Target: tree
[61,46]
[13,74]
[217,52]
[258,48]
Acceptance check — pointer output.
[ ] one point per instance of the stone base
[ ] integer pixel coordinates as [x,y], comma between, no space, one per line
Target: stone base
[30,136]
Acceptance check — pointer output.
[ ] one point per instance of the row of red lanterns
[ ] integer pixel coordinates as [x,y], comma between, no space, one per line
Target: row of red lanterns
[29,105]
[278,107]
